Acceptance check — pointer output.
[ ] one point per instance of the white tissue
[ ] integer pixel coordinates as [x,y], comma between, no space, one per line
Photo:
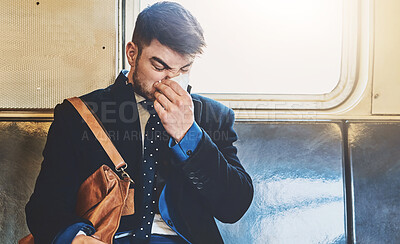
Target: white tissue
[182,80]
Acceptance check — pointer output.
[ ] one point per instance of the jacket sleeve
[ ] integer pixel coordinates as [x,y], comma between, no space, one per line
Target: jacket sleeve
[68,235]
[51,207]
[215,171]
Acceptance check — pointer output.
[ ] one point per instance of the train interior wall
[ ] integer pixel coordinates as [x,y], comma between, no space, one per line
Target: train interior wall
[322,181]
[315,182]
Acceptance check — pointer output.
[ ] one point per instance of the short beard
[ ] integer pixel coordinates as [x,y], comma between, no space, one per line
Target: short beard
[137,86]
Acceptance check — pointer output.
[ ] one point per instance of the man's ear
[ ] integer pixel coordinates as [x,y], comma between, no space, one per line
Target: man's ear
[131,53]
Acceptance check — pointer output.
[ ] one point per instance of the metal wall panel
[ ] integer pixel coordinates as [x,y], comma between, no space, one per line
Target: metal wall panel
[51,50]
[386,75]
[375,159]
[299,187]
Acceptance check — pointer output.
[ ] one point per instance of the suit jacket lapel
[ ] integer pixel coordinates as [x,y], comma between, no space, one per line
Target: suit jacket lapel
[197,110]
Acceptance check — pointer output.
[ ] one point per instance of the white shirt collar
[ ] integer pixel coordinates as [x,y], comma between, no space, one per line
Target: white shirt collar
[139,98]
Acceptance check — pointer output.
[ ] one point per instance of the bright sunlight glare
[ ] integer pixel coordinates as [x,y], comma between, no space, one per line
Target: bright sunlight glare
[267,46]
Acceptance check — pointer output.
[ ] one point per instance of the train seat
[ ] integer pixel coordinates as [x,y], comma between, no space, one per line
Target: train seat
[298,175]
[297,172]
[374,154]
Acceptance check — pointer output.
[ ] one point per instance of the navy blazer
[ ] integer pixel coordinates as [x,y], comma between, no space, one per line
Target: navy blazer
[210,184]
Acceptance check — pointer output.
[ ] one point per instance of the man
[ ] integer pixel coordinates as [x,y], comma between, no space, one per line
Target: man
[197,175]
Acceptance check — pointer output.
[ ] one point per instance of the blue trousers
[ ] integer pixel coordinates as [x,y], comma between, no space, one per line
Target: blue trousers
[154,239]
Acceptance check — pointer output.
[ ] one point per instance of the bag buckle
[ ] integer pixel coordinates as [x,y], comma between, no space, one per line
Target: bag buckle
[124,174]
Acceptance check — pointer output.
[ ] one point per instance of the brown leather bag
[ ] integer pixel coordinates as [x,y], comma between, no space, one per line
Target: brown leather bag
[103,197]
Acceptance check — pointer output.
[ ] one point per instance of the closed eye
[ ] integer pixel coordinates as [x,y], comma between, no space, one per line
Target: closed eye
[158,69]
[184,70]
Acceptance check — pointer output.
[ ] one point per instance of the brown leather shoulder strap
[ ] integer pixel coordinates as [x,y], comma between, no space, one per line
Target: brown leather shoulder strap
[98,132]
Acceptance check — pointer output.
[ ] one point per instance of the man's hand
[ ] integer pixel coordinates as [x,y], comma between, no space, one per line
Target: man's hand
[174,106]
[82,239]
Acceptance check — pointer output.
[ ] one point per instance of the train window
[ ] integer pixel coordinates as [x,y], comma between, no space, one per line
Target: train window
[268,46]
[261,48]
[261,54]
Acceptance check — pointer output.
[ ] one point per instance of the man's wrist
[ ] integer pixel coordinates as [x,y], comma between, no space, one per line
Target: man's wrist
[179,137]
[81,233]
[184,148]
[71,232]
[87,230]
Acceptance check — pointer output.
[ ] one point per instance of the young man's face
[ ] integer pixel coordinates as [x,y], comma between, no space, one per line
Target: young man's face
[156,62]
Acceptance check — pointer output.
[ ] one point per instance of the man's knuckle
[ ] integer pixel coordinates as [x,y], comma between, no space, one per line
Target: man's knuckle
[179,103]
[174,109]
[176,86]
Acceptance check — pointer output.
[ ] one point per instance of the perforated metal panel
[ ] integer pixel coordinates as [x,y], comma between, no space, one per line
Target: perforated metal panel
[51,50]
